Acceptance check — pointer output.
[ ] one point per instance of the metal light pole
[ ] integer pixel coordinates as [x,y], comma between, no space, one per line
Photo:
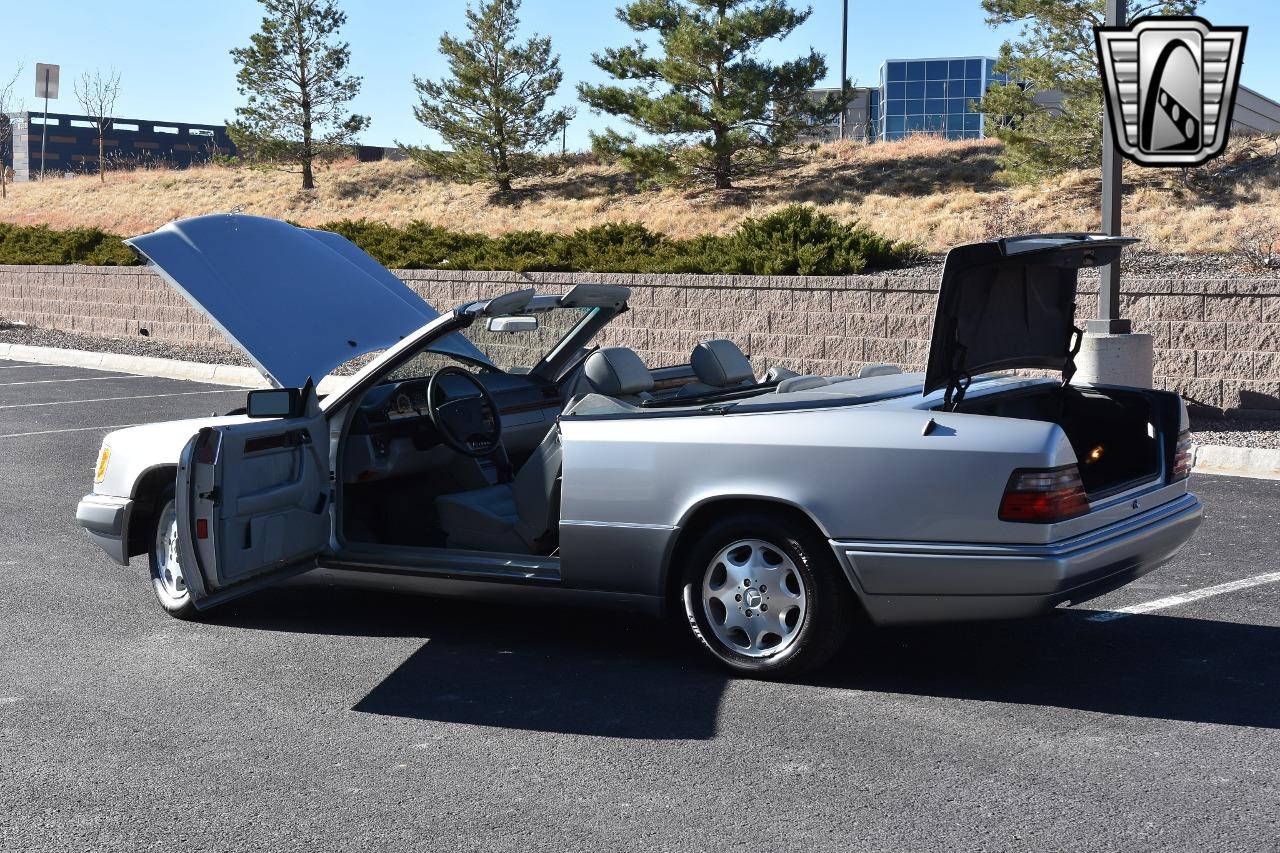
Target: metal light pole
[1109,322]
[844,66]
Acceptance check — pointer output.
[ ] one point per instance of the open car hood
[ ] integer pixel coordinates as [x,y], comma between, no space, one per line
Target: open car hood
[1009,304]
[299,302]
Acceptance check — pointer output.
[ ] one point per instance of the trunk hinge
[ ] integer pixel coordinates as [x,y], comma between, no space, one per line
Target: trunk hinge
[1069,367]
[958,381]
[957,385]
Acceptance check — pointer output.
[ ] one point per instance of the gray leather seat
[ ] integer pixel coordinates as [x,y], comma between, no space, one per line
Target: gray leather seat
[719,366]
[516,517]
[618,372]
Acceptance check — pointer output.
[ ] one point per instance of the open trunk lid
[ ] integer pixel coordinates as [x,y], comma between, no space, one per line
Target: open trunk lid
[298,302]
[1010,303]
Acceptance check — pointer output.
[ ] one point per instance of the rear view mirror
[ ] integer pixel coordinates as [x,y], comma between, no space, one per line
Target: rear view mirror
[518,323]
[274,403]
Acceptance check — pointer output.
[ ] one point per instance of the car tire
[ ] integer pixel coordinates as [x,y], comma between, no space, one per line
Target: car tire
[789,619]
[167,580]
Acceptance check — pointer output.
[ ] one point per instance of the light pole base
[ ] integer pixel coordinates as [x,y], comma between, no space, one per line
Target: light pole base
[1116,360]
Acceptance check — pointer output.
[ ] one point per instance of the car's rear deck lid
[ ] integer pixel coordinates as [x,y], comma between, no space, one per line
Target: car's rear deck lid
[1010,303]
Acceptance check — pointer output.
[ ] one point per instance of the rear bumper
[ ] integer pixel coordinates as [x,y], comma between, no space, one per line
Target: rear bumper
[913,582]
[106,519]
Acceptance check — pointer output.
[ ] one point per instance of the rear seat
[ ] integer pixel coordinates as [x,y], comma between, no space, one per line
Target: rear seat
[807,382]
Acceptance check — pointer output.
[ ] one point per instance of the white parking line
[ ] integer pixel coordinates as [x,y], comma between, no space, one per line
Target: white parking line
[71,429]
[73,379]
[1186,597]
[115,399]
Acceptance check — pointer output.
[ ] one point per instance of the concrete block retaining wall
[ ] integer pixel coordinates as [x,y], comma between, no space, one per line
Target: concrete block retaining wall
[1216,341]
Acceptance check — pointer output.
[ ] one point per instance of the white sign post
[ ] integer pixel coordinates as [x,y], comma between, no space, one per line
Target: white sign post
[46,87]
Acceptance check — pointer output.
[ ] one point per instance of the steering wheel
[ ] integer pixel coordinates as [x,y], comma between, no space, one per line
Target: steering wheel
[469,425]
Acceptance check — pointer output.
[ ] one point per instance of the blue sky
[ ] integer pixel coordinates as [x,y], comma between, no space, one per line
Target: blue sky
[174,61]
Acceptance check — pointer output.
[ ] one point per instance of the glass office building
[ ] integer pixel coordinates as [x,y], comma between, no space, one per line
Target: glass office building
[934,96]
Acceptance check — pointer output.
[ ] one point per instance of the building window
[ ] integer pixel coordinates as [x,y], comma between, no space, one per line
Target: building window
[931,96]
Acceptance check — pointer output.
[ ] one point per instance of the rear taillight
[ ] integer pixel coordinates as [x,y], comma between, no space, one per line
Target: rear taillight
[1044,495]
[1181,458]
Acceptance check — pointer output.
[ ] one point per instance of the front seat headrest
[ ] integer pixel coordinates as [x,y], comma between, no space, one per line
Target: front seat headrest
[617,370]
[720,363]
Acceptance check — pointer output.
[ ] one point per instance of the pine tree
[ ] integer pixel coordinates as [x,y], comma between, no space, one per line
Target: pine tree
[295,77]
[1054,51]
[492,108]
[718,110]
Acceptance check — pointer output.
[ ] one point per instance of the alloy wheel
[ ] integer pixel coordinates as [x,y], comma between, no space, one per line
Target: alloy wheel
[170,583]
[754,598]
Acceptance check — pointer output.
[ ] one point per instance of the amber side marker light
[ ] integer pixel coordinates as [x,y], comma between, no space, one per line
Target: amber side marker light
[1044,495]
[104,456]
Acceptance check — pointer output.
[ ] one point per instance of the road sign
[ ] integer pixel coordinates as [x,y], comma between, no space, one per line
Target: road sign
[46,81]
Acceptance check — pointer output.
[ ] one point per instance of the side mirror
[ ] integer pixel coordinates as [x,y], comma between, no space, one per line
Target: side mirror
[516,323]
[274,403]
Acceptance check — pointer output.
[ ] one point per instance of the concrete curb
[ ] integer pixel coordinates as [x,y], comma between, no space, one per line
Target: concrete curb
[1256,462]
[145,365]
[168,368]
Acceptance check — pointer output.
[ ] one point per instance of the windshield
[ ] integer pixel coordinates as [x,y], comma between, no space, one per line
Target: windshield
[508,352]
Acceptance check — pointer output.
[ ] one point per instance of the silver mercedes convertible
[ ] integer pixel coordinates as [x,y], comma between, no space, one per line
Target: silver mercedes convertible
[494,452]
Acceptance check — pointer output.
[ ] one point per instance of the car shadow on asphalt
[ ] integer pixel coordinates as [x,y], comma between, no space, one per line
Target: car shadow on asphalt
[617,675]
[549,669]
[1155,666]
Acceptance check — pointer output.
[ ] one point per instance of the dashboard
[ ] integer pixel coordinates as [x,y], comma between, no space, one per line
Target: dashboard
[392,434]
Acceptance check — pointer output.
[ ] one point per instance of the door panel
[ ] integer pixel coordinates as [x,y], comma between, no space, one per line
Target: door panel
[253,504]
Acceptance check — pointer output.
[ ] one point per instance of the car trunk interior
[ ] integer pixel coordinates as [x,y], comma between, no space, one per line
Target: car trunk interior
[1119,435]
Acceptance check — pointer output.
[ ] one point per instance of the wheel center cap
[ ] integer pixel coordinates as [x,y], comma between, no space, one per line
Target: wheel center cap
[752,597]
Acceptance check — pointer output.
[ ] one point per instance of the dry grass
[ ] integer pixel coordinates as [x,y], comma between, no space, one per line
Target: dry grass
[924,189]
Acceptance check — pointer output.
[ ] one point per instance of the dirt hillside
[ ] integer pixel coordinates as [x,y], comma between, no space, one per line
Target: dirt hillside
[924,189]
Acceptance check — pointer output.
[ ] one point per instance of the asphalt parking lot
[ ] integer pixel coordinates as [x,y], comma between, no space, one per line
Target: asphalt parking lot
[315,717]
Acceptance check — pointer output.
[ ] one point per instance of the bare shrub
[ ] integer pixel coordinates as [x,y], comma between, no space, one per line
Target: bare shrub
[1257,241]
[1003,217]
[8,104]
